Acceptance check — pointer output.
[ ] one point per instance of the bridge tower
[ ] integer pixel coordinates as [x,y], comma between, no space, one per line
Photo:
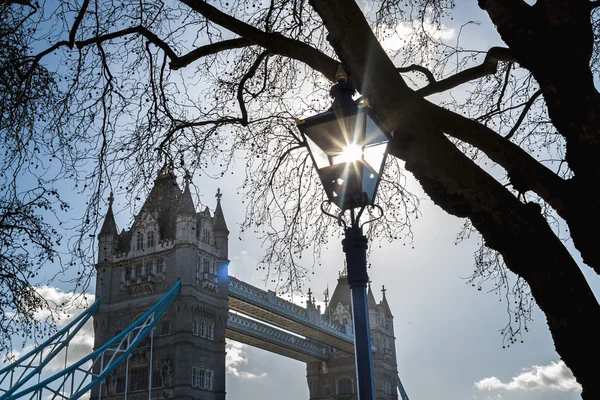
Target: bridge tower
[336,378]
[168,240]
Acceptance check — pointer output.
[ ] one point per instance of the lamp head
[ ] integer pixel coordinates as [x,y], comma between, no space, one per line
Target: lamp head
[348,146]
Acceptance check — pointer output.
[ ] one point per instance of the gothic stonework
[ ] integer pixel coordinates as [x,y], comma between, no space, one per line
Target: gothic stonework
[185,357]
[168,241]
[336,378]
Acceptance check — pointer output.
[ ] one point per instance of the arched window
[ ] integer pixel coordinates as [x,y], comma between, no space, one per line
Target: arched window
[140,241]
[344,386]
[160,265]
[150,240]
[148,268]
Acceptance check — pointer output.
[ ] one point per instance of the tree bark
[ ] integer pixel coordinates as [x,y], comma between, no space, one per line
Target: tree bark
[455,183]
[553,39]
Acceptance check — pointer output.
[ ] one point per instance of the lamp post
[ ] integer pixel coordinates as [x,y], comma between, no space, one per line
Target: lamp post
[348,146]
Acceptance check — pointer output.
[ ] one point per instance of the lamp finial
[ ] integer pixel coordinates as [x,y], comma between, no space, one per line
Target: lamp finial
[340,75]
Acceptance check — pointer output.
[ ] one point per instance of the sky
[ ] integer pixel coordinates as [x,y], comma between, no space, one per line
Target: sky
[448,337]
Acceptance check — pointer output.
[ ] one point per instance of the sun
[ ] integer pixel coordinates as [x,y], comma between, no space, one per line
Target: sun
[350,153]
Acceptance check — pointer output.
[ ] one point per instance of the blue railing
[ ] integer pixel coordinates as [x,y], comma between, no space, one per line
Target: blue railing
[120,347]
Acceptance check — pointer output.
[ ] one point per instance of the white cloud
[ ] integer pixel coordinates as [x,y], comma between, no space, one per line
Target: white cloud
[555,376]
[236,357]
[71,306]
[395,38]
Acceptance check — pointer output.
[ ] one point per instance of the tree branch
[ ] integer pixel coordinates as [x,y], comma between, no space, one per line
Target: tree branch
[152,38]
[207,50]
[523,113]
[419,68]
[55,46]
[518,231]
[526,173]
[274,42]
[489,66]
[240,92]
[195,124]
[77,22]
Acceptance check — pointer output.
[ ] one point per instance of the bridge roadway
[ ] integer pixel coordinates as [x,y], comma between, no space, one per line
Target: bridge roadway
[308,322]
[257,334]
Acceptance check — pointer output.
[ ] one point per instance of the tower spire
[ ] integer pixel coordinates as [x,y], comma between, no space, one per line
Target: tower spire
[384,303]
[219,218]
[109,227]
[186,203]
[371,297]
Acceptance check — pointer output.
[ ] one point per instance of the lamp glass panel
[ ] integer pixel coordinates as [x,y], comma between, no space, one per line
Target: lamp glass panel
[370,177]
[374,155]
[319,155]
[342,182]
[373,133]
[335,134]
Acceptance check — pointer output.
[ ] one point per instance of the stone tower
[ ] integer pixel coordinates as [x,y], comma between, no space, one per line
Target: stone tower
[336,377]
[167,241]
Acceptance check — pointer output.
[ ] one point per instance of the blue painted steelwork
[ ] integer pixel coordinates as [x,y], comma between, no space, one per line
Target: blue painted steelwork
[277,337]
[403,394]
[21,371]
[116,350]
[267,300]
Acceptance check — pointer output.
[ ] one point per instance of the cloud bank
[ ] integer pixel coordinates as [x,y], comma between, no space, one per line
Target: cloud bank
[236,358]
[555,376]
[71,305]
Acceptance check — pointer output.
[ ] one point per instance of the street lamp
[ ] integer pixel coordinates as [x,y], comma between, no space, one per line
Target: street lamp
[348,146]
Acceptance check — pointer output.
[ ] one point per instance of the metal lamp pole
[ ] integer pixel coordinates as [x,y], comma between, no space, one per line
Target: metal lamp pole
[348,146]
[355,247]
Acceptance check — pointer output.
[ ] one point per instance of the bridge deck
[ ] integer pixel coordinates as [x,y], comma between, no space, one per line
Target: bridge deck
[268,338]
[267,307]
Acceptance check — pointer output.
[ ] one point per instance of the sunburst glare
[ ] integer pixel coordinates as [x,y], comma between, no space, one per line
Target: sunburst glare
[352,152]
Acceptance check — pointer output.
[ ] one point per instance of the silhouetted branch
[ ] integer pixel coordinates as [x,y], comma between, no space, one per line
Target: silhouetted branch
[128,31]
[208,49]
[419,68]
[240,92]
[523,113]
[274,42]
[488,67]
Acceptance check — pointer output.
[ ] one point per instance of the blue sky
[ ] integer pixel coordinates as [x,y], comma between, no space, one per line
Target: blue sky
[448,341]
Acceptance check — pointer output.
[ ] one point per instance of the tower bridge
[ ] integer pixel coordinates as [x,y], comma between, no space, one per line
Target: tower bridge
[166,304]
[306,321]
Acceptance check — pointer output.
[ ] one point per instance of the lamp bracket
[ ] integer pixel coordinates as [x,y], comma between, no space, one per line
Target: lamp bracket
[338,217]
[376,218]
[354,217]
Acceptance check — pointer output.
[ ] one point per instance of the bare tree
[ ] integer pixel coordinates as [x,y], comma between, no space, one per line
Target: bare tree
[27,241]
[202,84]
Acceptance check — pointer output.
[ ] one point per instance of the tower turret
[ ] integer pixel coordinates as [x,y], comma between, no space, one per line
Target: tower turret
[373,309]
[108,235]
[335,379]
[387,312]
[186,358]
[186,215]
[220,229]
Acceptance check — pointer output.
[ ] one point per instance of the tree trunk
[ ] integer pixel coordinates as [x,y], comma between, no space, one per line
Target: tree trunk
[455,183]
[554,40]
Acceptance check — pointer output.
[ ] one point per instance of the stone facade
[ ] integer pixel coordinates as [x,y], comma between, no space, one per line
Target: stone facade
[336,377]
[168,241]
